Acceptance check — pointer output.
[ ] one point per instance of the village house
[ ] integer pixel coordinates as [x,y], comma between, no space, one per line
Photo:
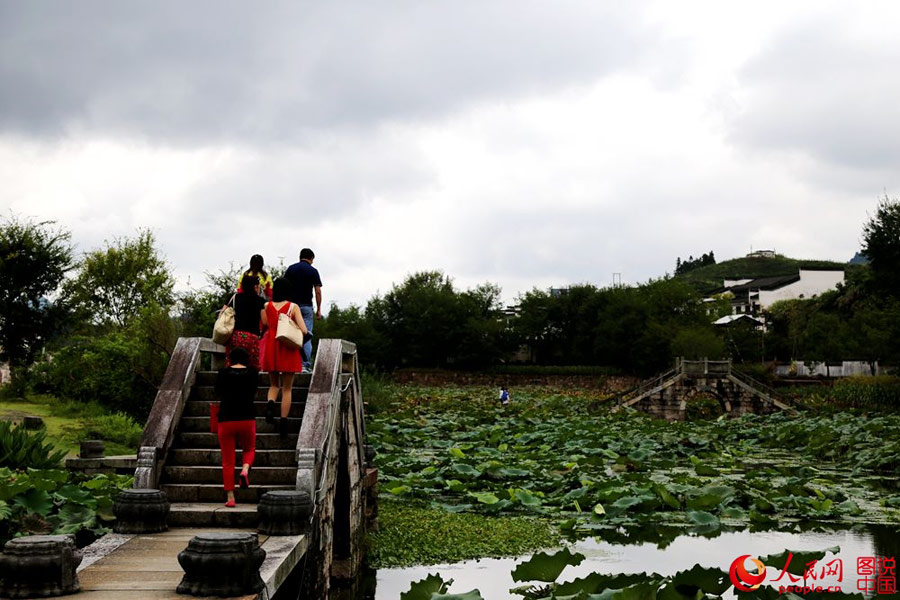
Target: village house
[751,296]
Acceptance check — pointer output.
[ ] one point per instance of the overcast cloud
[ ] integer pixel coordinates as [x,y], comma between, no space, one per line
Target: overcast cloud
[529,144]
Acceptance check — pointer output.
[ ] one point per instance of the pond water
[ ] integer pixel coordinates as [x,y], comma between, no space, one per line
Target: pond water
[493,576]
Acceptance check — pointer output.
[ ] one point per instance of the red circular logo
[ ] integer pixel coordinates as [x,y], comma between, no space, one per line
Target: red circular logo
[742,580]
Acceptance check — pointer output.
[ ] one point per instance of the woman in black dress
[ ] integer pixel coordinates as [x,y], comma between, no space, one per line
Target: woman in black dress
[249,312]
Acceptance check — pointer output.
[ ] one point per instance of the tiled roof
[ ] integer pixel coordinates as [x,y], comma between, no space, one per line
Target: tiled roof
[766,283]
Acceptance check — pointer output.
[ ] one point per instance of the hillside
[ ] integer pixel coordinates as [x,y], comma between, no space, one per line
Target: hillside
[708,278]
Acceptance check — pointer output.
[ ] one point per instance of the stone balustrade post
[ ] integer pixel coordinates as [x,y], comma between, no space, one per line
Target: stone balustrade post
[141,511]
[284,512]
[221,564]
[39,566]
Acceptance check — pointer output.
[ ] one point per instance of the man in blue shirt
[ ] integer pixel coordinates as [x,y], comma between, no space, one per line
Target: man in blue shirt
[305,280]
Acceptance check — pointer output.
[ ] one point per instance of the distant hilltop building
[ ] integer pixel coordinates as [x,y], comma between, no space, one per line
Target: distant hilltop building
[750,296]
[762,254]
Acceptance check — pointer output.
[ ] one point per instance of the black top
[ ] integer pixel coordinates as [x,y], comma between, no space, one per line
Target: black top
[303,277]
[236,391]
[246,312]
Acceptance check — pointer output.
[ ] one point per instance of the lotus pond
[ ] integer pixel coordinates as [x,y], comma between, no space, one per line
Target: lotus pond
[556,468]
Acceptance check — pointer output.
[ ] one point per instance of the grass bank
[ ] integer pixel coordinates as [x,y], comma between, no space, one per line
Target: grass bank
[69,423]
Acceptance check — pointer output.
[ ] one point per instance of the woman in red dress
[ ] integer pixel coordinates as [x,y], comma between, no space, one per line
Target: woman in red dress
[281,360]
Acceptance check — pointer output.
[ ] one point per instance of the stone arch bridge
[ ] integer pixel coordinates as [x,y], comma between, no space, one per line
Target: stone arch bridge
[296,532]
[667,395]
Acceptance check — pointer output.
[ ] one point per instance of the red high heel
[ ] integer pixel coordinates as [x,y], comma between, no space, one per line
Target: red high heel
[245,479]
[230,504]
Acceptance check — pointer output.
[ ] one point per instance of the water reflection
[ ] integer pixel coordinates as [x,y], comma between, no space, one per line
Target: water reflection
[492,576]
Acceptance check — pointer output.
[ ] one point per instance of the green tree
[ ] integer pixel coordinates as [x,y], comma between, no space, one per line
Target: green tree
[34,258]
[120,369]
[881,244]
[425,321]
[352,324]
[114,284]
[694,343]
[198,308]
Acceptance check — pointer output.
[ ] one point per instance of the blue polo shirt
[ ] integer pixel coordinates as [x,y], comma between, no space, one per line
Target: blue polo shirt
[303,277]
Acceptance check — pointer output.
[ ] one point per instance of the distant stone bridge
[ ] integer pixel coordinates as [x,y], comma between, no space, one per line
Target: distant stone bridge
[667,395]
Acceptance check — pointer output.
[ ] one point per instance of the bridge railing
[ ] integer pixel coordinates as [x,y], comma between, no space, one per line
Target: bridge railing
[645,386]
[331,463]
[703,367]
[169,404]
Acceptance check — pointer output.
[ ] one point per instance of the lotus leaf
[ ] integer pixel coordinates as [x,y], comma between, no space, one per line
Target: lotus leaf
[546,567]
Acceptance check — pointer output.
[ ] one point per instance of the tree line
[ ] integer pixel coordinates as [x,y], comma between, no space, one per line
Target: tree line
[102,326]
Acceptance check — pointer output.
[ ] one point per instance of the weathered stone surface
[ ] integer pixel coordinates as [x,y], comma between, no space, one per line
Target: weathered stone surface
[123,465]
[32,422]
[141,511]
[285,512]
[39,566]
[91,449]
[370,486]
[221,564]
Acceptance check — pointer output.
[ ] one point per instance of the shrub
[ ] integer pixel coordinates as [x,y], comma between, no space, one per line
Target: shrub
[868,392]
[107,369]
[118,428]
[22,449]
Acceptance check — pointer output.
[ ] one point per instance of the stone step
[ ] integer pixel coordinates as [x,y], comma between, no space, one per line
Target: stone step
[193,408]
[213,474]
[213,456]
[205,439]
[209,378]
[214,492]
[208,394]
[212,514]
[200,424]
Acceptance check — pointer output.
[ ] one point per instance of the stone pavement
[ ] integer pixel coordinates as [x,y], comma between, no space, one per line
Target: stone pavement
[145,566]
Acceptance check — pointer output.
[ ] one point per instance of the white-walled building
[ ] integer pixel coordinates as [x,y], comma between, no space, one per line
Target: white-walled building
[750,296]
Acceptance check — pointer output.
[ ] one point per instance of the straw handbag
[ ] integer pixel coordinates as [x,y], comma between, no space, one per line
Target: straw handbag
[288,331]
[224,326]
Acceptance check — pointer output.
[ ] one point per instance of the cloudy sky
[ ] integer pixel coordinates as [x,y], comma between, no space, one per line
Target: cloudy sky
[530,144]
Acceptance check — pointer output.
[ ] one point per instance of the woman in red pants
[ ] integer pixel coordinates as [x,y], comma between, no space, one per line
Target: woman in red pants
[236,390]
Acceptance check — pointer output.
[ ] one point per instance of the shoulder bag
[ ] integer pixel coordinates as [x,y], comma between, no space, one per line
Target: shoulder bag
[288,331]
[224,326]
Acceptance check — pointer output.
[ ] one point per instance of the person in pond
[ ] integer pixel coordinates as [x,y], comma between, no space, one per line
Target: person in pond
[280,359]
[249,312]
[236,390]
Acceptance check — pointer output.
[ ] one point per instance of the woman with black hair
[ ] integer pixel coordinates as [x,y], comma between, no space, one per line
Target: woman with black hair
[280,359]
[257,270]
[236,390]
[249,312]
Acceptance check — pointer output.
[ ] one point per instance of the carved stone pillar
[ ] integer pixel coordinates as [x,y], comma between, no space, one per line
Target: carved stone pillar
[284,512]
[306,472]
[145,476]
[141,511]
[38,566]
[221,564]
